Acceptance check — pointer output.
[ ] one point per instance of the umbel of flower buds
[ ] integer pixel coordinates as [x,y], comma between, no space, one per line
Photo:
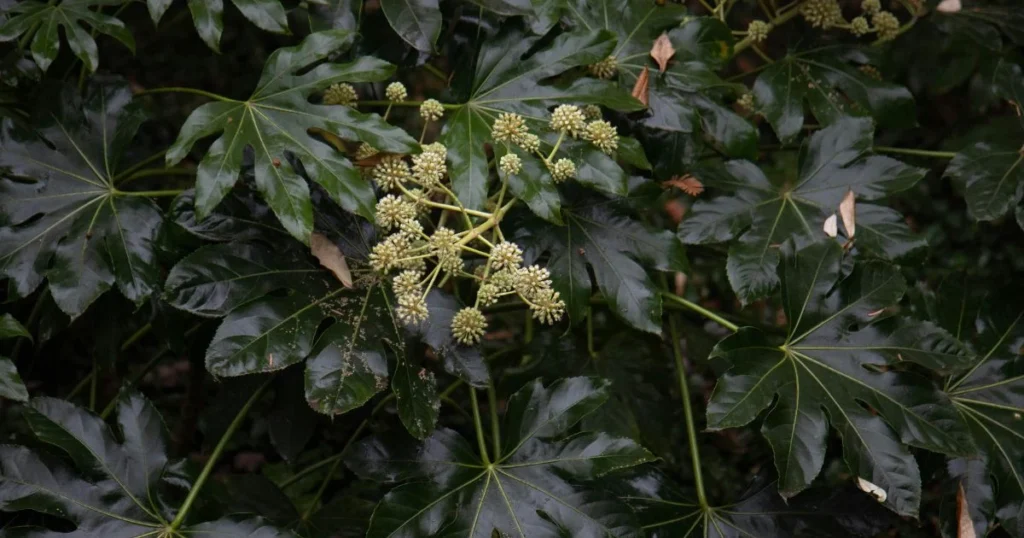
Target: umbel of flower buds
[396,92]
[340,94]
[758,31]
[510,163]
[602,135]
[604,69]
[431,110]
[568,119]
[822,13]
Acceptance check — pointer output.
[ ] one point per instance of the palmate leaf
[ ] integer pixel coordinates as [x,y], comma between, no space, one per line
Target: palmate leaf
[208,16]
[417,22]
[510,76]
[276,122]
[834,161]
[46,19]
[116,484]
[667,511]
[832,88]
[613,245]
[682,99]
[61,216]
[825,372]
[537,488]
[990,399]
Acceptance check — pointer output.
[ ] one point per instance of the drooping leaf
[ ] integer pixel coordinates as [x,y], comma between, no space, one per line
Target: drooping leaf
[112,488]
[613,245]
[992,175]
[832,89]
[822,372]
[47,18]
[416,395]
[417,22]
[510,76]
[537,487]
[61,216]
[276,121]
[208,16]
[667,511]
[835,161]
[990,398]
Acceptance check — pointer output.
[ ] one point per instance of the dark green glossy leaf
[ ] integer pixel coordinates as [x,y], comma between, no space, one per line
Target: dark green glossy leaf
[635,23]
[537,487]
[229,528]
[115,488]
[416,394]
[334,14]
[276,122]
[821,372]
[612,244]
[239,217]
[208,16]
[834,162]
[47,18]
[11,385]
[62,218]
[459,360]
[511,76]
[832,88]
[418,22]
[990,398]
[12,328]
[991,174]
[291,422]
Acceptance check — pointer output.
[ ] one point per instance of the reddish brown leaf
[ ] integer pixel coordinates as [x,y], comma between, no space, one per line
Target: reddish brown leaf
[964,525]
[662,51]
[330,257]
[688,184]
[642,87]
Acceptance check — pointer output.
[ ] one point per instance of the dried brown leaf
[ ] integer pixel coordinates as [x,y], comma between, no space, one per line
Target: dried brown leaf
[949,6]
[830,227]
[330,257]
[688,184]
[964,525]
[642,87]
[662,51]
[848,210]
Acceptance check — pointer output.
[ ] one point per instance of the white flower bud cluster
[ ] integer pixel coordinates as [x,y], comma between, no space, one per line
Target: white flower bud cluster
[340,94]
[604,69]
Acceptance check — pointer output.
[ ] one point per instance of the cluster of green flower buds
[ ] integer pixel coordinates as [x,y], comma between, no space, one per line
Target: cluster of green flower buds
[758,31]
[822,13]
[604,69]
[828,13]
[340,94]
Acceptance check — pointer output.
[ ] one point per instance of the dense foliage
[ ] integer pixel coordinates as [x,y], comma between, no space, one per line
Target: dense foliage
[512,268]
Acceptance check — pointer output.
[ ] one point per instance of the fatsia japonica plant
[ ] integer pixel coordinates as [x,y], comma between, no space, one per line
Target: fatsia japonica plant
[510,268]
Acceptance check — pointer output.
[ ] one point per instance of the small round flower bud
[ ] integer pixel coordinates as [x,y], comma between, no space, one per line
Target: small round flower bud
[859,26]
[568,119]
[506,255]
[509,127]
[504,280]
[757,31]
[436,148]
[592,112]
[365,151]
[431,110]
[391,172]
[396,92]
[408,283]
[822,13]
[887,24]
[340,94]
[603,135]
[531,280]
[389,253]
[412,309]
[468,325]
[605,69]
[547,307]
[450,261]
[562,170]
[487,294]
[871,6]
[510,163]
[428,168]
[530,143]
[393,211]
[746,101]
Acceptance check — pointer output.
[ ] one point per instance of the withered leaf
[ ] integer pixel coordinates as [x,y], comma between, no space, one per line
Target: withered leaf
[330,257]
[642,87]
[848,210]
[662,51]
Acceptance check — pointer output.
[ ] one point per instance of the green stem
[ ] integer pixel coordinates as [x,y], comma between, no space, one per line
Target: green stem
[140,165]
[436,72]
[447,106]
[194,91]
[478,425]
[159,172]
[169,192]
[492,402]
[916,152]
[554,149]
[131,383]
[702,311]
[691,429]
[136,336]
[783,17]
[217,451]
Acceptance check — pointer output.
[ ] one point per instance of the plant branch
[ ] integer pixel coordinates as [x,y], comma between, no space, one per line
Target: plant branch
[775,21]
[217,451]
[691,429]
[478,425]
[492,402]
[916,152]
[717,318]
[194,91]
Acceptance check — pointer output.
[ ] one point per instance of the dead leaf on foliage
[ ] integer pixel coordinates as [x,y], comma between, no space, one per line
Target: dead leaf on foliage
[330,257]
[964,525]
[848,210]
[642,87]
[662,51]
